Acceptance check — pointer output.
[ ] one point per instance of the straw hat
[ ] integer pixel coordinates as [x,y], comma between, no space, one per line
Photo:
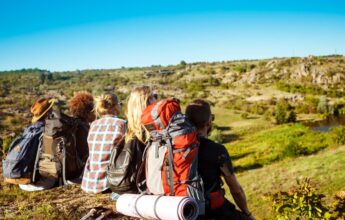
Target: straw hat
[41,107]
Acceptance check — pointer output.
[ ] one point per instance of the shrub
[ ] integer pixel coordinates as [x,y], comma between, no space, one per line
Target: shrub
[183,63]
[292,117]
[216,135]
[244,115]
[213,81]
[338,134]
[240,68]
[301,202]
[280,114]
[322,106]
[338,206]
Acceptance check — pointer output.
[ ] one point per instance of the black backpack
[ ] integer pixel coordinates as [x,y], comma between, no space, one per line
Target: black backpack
[57,158]
[123,167]
[19,163]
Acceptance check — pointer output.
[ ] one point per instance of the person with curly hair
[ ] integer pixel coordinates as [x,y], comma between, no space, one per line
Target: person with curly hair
[81,106]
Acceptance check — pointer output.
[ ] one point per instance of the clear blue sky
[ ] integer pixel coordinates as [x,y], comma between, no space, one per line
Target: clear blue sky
[69,35]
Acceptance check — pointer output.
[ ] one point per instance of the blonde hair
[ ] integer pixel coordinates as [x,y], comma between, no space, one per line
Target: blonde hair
[105,104]
[137,102]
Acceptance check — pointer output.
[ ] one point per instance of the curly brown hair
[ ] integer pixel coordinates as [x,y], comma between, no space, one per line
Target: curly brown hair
[81,104]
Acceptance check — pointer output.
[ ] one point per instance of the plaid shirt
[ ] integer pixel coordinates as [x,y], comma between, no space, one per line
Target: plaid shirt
[104,133]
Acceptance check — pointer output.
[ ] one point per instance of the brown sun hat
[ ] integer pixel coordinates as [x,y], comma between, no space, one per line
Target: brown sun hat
[41,107]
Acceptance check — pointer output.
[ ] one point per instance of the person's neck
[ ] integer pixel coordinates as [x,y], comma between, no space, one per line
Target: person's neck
[202,132]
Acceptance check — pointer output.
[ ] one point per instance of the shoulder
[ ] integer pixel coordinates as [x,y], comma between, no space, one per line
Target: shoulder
[210,143]
[120,121]
[213,148]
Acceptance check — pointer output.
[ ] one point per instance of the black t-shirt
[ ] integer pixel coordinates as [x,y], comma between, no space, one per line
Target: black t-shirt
[212,156]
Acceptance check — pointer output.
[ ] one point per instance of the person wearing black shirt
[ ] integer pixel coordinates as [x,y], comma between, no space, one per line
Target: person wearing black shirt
[215,162]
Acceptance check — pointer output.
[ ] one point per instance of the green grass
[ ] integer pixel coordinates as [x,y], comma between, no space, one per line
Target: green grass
[326,169]
[275,144]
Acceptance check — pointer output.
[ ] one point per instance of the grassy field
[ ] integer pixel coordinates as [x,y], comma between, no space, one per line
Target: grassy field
[326,169]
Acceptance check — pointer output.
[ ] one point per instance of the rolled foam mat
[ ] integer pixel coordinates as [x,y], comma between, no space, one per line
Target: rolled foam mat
[158,207]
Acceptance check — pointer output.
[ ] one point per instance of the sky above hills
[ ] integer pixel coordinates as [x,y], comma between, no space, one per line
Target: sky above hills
[70,35]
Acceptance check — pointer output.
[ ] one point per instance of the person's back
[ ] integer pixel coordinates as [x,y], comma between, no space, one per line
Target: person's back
[214,163]
[104,133]
[40,110]
[122,177]
[81,106]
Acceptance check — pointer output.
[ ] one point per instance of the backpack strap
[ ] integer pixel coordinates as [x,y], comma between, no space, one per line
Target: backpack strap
[37,158]
[141,184]
[170,177]
[155,115]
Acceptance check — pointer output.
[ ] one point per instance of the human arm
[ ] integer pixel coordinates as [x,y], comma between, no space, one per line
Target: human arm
[236,190]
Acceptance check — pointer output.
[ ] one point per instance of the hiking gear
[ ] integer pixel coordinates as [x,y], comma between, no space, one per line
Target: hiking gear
[104,134]
[172,152]
[104,214]
[19,163]
[216,199]
[125,161]
[91,213]
[41,107]
[97,211]
[18,180]
[41,184]
[157,206]
[57,157]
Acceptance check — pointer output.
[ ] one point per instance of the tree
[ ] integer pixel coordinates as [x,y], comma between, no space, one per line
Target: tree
[183,63]
[50,77]
[42,77]
[281,112]
[322,106]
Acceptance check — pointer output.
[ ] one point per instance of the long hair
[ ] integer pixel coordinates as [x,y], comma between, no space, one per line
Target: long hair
[137,102]
[105,104]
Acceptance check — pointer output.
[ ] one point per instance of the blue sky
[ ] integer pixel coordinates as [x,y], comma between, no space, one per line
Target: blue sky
[70,35]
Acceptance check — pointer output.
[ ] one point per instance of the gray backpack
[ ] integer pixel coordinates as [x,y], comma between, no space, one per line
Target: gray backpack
[57,158]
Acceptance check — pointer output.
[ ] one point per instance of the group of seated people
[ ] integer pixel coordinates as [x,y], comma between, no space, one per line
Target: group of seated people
[103,128]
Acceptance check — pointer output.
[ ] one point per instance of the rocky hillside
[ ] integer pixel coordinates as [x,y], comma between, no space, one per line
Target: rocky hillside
[222,83]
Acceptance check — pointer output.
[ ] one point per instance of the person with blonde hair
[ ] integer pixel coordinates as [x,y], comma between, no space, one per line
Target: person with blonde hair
[134,142]
[104,134]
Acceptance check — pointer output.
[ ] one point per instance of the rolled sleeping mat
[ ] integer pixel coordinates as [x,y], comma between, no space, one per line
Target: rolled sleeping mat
[158,207]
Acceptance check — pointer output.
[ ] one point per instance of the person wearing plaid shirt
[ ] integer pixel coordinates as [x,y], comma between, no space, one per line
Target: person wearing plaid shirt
[104,134]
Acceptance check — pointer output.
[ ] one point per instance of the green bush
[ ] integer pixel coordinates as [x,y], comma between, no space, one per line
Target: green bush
[338,206]
[240,68]
[292,117]
[322,106]
[244,115]
[338,134]
[301,202]
[216,135]
[280,114]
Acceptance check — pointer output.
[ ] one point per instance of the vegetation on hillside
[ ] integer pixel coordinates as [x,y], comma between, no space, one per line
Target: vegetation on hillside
[260,106]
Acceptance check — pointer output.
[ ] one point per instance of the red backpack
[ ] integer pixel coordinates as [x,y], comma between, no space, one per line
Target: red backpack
[171,156]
